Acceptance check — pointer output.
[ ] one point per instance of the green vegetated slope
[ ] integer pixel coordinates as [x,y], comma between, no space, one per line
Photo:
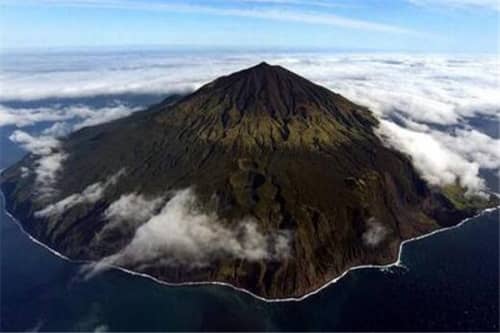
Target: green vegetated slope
[264,143]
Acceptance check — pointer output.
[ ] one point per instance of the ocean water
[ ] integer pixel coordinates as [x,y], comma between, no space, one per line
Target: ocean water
[449,281]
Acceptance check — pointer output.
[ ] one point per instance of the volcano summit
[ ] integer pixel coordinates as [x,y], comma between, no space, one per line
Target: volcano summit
[261,179]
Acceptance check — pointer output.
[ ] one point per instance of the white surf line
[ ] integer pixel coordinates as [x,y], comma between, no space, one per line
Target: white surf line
[396,263]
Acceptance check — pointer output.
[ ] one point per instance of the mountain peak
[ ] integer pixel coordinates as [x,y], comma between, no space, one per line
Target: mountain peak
[262,160]
[268,106]
[260,72]
[263,64]
[266,88]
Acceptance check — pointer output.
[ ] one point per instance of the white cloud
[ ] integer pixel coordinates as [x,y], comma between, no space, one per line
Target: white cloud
[489,4]
[437,163]
[130,210]
[91,194]
[473,145]
[324,4]
[48,163]
[85,116]
[59,129]
[25,172]
[24,117]
[181,234]
[93,117]
[375,232]
[438,89]
[42,145]
[132,206]
[421,90]
[46,146]
[101,328]
[256,11]
[46,169]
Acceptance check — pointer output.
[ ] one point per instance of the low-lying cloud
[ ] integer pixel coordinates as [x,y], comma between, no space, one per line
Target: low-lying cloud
[41,145]
[375,232]
[49,160]
[430,94]
[80,116]
[130,211]
[439,164]
[473,145]
[133,207]
[181,234]
[438,89]
[91,194]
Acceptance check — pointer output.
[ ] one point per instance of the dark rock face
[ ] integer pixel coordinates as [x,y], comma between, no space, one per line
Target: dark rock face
[264,143]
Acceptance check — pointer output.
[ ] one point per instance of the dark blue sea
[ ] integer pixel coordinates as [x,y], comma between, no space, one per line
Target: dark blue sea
[450,282]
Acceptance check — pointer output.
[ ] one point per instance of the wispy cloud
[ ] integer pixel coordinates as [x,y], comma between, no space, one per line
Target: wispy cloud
[311,3]
[133,207]
[181,234]
[488,4]
[84,115]
[91,194]
[48,163]
[375,232]
[260,12]
[130,211]
[41,145]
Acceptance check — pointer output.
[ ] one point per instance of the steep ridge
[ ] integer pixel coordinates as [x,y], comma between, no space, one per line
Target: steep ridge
[263,144]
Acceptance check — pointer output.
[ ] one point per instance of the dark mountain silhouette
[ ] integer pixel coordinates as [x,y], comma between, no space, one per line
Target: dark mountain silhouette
[262,143]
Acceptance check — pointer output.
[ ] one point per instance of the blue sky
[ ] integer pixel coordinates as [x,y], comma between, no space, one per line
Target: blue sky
[384,25]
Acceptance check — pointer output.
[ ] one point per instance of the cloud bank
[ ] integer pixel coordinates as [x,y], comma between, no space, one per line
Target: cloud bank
[439,164]
[432,96]
[437,89]
[181,234]
[82,115]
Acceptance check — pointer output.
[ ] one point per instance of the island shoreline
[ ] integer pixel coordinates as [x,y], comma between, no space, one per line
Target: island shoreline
[396,263]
